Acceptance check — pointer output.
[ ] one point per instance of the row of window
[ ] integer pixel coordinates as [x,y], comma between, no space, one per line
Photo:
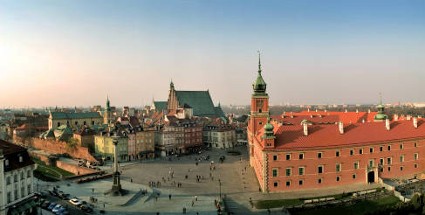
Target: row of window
[20,157]
[76,123]
[15,177]
[301,182]
[337,179]
[15,194]
[337,153]
[338,166]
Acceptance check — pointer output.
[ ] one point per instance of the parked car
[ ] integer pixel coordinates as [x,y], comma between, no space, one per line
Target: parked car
[57,208]
[75,201]
[86,208]
[60,211]
[45,204]
[64,196]
[51,206]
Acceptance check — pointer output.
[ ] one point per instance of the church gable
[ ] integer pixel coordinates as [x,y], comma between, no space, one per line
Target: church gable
[200,101]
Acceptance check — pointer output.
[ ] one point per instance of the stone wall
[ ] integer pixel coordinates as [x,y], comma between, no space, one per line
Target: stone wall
[77,170]
[59,147]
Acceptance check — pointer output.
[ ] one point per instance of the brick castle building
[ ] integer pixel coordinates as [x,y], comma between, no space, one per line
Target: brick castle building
[330,149]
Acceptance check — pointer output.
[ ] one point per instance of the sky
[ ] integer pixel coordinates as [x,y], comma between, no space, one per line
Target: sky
[76,53]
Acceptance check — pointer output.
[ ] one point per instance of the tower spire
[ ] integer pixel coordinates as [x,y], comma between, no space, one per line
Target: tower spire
[380,98]
[108,105]
[259,62]
[259,85]
[171,84]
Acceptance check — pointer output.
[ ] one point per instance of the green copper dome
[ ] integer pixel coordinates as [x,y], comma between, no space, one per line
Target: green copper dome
[259,86]
[268,129]
[380,116]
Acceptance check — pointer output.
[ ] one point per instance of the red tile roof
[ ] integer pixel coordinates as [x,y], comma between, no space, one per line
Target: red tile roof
[292,137]
[322,116]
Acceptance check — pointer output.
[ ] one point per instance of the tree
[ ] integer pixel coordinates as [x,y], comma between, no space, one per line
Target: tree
[71,144]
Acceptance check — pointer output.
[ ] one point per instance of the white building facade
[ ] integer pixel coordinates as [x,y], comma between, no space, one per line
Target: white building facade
[16,180]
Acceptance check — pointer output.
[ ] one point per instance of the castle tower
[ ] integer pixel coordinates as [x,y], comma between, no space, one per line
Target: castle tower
[259,102]
[259,116]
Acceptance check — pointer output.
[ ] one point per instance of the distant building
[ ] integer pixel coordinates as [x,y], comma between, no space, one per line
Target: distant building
[16,180]
[85,138]
[159,106]
[241,138]
[199,101]
[74,120]
[219,136]
[145,144]
[5,131]
[319,153]
[105,147]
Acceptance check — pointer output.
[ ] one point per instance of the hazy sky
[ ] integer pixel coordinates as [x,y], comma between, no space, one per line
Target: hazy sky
[69,53]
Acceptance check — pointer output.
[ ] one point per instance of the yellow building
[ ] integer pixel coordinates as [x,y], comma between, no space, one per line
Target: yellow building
[103,146]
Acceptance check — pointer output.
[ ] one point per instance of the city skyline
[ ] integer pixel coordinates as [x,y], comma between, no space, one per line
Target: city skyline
[75,53]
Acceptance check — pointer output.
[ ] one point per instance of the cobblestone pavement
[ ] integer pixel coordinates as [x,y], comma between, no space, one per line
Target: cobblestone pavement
[190,180]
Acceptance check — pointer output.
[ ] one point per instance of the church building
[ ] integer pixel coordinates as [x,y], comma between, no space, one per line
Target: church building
[199,102]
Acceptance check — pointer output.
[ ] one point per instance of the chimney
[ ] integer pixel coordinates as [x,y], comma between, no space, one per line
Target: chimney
[415,122]
[357,110]
[409,117]
[346,111]
[341,127]
[395,117]
[363,120]
[368,110]
[316,110]
[305,128]
[308,109]
[387,124]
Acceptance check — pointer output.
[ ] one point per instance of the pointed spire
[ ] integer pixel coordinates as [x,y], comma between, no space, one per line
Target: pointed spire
[380,98]
[108,106]
[259,86]
[259,62]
